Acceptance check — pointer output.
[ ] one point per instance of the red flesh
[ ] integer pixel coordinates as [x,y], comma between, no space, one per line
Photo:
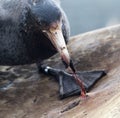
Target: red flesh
[80,83]
[78,80]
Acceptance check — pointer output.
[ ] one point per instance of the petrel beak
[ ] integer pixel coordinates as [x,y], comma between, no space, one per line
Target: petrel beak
[56,37]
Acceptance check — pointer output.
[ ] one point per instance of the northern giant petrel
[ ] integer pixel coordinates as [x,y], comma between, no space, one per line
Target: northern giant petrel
[33,30]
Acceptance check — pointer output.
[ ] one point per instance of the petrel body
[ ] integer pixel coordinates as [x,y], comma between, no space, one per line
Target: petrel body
[26,30]
[34,30]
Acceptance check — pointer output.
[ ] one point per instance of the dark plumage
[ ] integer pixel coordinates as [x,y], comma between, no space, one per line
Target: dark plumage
[22,25]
